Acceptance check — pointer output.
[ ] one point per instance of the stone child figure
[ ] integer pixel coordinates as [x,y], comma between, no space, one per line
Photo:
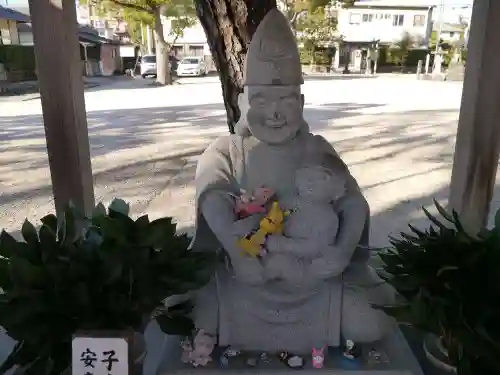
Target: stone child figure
[242,306]
[311,229]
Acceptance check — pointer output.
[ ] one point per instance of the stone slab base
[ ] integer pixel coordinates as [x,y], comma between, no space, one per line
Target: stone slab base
[401,361]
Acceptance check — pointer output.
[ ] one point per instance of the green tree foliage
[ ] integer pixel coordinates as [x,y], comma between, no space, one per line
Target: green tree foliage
[401,49]
[150,12]
[315,29]
[295,9]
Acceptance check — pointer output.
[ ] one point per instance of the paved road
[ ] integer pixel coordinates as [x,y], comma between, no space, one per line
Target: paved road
[395,133]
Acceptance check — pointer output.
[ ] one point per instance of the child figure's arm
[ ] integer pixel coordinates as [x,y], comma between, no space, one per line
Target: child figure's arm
[300,247]
[309,233]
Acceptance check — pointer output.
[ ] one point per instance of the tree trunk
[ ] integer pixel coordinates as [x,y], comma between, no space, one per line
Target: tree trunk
[229,26]
[162,63]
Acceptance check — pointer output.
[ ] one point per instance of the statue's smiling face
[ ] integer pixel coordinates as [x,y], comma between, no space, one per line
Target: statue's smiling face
[275,113]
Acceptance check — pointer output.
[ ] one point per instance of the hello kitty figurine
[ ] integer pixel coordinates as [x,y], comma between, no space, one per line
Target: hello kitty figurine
[247,204]
[318,357]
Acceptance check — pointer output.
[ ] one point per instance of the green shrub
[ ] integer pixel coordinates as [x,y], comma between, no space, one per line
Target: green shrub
[16,57]
[321,57]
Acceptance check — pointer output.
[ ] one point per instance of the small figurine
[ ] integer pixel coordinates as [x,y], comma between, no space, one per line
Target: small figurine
[253,243]
[376,357]
[252,362]
[198,353]
[265,358]
[351,355]
[247,204]
[223,361]
[292,361]
[231,352]
[228,353]
[318,357]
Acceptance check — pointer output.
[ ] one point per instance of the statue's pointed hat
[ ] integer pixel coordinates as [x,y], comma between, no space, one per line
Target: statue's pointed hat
[273,57]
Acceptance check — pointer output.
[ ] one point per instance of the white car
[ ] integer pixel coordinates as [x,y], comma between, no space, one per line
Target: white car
[192,66]
[148,66]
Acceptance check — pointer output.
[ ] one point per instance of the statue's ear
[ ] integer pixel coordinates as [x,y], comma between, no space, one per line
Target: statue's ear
[302,101]
[240,99]
[243,101]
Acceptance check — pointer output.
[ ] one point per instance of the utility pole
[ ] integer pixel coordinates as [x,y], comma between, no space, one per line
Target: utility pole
[143,39]
[91,13]
[440,29]
[149,40]
[437,53]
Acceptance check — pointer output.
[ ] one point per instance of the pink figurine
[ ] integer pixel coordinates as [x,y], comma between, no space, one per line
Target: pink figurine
[247,204]
[318,357]
[198,354]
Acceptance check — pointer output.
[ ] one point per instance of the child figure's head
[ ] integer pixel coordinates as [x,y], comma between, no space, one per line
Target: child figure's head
[318,184]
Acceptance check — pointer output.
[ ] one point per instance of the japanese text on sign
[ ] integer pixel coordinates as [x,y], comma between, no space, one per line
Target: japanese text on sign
[99,356]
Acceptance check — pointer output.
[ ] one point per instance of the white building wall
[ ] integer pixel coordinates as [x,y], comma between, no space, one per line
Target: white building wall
[385,24]
[192,42]
[451,36]
[192,35]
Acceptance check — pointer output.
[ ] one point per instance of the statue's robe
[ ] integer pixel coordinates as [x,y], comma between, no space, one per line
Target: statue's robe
[273,316]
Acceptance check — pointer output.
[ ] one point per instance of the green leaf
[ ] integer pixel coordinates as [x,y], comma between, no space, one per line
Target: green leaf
[142,223]
[48,244]
[418,232]
[443,212]
[8,245]
[120,206]
[99,210]
[50,221]
[457,222]
[446,269]
[175,325]
[24,273]
[497,220]
[4,275]
[184,307]
[115,273]
[433,219]
[12,359]
[67,227]
[160,232]
[29,233]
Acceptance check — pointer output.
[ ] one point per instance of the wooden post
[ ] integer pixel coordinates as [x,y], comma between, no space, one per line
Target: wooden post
[57,54]
[478,137]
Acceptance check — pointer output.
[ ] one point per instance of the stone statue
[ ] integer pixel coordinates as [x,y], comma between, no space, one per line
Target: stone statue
[243,306]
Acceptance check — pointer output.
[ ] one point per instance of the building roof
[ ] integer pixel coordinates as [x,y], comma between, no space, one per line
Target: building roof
[85,34]
[12,15]
[397,3]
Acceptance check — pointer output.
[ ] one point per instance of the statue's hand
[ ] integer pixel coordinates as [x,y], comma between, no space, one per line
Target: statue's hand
[284,267]
[248,270]
[328,265]
[244,226]
[274,243]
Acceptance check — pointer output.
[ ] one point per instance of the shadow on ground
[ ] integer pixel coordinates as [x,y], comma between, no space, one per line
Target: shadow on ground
[385,137]
[114,130]
[336,77]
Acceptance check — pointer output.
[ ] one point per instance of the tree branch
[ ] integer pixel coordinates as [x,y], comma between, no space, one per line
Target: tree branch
[132,6]
[296,15]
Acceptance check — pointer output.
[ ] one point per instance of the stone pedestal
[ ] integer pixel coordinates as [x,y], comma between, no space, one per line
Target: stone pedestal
[401,362]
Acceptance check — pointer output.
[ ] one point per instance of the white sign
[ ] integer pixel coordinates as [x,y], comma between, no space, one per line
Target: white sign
[99,356]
